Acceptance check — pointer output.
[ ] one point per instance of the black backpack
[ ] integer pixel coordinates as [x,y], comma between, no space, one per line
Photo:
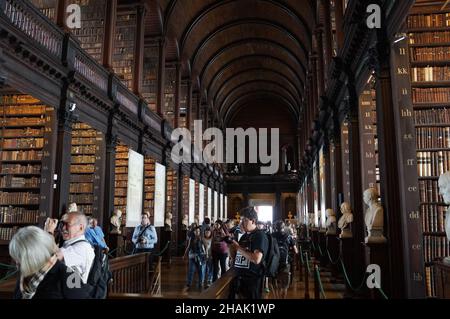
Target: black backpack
[272,258]
[99,275]
[282,241]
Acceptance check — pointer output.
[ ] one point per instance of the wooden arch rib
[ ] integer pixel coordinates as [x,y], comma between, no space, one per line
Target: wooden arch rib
[246,61]
[260,85]
[256,74]
[256,95]
[246,42]
[285,7]
[302,50]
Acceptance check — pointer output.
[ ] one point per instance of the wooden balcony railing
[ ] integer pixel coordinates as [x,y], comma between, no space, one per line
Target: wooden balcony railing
[131,274]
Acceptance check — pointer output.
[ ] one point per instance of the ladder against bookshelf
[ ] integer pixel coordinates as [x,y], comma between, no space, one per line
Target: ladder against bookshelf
[429,54]
[25,138]
[92,31]
[86,160]
[121,180]
[124,45]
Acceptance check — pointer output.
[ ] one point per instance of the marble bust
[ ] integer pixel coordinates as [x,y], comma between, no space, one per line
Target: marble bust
[345,221]
[185,222]
[116,221]
[331,222]
[444,191]
[373,217]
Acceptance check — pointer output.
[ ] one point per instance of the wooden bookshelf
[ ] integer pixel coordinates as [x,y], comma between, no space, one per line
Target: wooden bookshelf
[150,80]
[171,191]
[25,138]
[86,160]
[124,45]
[121,180]
[429,56]
[169,94]
[92,31]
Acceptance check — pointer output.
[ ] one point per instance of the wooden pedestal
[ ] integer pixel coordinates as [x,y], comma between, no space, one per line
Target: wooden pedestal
[315,243]
[116,244]
[346,253]
[376,254]
[324,261]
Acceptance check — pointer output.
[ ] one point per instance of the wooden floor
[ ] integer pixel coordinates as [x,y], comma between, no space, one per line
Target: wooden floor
[173,283]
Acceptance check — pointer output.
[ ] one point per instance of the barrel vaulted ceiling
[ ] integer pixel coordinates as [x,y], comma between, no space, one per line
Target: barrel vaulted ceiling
[239,51]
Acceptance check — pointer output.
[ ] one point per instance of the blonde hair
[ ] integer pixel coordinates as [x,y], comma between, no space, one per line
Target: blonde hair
[31,247]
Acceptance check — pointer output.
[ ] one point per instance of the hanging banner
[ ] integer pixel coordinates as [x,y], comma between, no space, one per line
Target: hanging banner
[160,194]
[191,201]
[135,188]
[209,202]
[201,202]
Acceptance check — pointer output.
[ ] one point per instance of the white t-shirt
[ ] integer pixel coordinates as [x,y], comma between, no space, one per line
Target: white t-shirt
[79,254]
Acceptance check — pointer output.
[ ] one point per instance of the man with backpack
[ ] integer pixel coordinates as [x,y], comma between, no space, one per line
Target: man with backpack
[144,235]
[285,242]
[249,260]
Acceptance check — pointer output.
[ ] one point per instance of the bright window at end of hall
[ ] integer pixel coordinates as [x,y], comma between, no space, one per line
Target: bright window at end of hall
[265,213]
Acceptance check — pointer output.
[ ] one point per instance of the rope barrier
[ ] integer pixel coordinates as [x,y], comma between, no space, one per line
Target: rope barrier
[348,280]
[7,266]
[317,271]
[7,276]
[301,256]
[331,260]
[307,263]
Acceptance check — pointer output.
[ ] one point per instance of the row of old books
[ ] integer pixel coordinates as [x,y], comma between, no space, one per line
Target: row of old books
[429,191]
[19,198]
[435,247]
[81,187]
[20,169]
[433,218]
[433,163]
[430,73]
[425,54]
[19,182]
[424,38]
[10,215]
[22,155]
[23,143]
[429,20]
[431,95]
[432,116]
[6,233]
[432,137]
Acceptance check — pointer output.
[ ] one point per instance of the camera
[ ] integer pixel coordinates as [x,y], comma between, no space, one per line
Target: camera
[141,239]
[227,239]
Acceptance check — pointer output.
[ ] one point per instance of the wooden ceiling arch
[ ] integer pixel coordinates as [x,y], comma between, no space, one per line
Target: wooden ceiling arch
[265,61]
[234,47]
[257,85]
[256,74]
[259,27]
[254,97]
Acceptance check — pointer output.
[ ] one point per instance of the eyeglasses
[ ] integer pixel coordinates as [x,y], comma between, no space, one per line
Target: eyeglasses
[66,224]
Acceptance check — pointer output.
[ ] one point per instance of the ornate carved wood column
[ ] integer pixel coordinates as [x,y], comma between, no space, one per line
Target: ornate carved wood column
[335,164]
[339,21]
[61,13]
[189,105]
[356,196]
[328,34]
[139,50]
[110,173]
[110,27]
[63,153]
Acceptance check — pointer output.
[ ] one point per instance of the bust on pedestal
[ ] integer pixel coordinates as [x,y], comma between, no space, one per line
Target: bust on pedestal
[168,222]
[345,221]
[444,190]
[373,217]
[331,222]
[116,222]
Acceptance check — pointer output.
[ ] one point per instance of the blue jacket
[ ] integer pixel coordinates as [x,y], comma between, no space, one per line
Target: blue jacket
[149,234]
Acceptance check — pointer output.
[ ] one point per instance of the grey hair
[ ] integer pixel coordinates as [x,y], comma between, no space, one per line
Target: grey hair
[31,247]
[80,218]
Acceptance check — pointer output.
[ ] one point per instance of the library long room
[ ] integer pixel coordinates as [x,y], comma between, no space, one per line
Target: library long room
[259,149]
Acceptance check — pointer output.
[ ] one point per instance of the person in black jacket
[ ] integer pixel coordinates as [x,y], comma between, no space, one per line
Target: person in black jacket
[42,275]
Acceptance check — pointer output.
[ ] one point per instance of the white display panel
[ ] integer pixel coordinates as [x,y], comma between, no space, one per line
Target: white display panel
[216,206]
[135,188]
[226,205]
[222,213]
[209,203]
[191,201]
[160,194]
[201,202]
